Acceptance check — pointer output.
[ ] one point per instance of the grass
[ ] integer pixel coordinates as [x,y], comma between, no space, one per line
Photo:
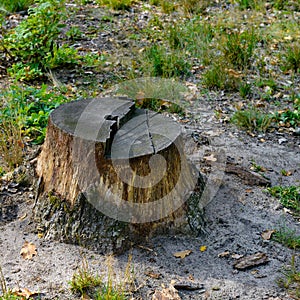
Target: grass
[289,196]
[252,120]
[238,48]
[287,237]
[291,279]
[11,143]
[116,4]
[85,283]
[7,294]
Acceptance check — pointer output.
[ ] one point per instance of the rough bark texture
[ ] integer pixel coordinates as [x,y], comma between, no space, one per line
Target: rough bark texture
[111,174]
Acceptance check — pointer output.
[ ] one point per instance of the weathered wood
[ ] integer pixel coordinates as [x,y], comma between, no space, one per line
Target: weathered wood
[127,163]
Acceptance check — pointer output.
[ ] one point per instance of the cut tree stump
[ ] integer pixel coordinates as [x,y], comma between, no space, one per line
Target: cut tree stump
[111,174]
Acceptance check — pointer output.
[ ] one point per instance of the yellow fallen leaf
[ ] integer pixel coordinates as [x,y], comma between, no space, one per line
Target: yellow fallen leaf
[28,250]
[203,248]
[266,235]
[182,254]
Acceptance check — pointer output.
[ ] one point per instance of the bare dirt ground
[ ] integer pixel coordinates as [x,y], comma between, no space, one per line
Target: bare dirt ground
[236,217]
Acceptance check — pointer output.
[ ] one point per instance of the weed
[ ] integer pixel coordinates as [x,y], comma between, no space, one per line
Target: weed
[239,48]
[291,279]
[256,167]
[116,4]
[93,60]
[84,281]
[292,58]
[250,4]
[245,89]
[194,6]
[289,196]
[7,294]
[252,120]
[11,143]
[288,118]
[32,45]
[167,6]
[218,77]
[165,64]
[287,237]
[15,5]
[74,33]
[28,109]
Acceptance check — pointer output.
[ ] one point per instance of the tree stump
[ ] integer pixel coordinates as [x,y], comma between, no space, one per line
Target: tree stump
[111,174]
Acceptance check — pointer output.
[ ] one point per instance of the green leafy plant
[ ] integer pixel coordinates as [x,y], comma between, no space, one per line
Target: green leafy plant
[32,46]
[15,5]
[245,89]
[252,119]
[74,33]
[28,109]
[289,196]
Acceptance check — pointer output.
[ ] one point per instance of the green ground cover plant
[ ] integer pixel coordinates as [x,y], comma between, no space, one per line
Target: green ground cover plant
[252,119]
[12,6]
[32,46]
[288,196]
[287,237]
[28,108]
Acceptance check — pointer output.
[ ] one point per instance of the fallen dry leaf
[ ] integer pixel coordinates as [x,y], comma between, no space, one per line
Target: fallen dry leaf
[182,254]
[266,235]
[153,275]
[234,73]
[169,293]
[23,292]
[28,250]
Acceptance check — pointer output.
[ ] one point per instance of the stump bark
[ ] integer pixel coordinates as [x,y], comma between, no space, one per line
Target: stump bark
[110,174]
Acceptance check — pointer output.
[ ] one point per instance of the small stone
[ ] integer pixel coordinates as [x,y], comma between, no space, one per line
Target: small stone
[282,140]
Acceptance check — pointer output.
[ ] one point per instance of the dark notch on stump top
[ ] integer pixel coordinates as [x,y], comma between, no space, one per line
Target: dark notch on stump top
[106,120]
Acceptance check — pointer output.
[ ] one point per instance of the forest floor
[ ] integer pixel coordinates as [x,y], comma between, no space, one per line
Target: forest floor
[238,211]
